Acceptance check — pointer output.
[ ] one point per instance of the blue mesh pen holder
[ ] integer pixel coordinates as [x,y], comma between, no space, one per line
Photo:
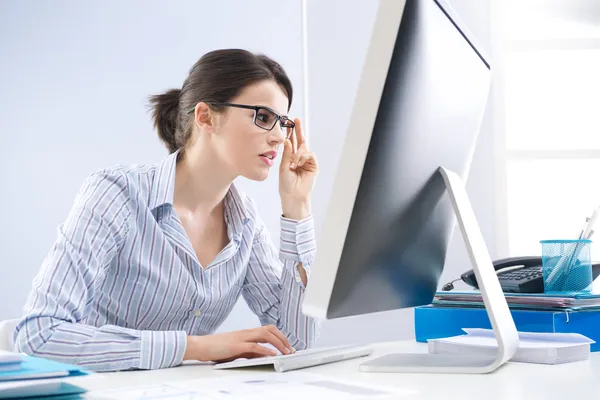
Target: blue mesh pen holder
[567,265]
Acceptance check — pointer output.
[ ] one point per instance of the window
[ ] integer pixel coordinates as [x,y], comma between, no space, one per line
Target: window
[547,94]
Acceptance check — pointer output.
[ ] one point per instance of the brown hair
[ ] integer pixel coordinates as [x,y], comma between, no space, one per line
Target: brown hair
[218,76]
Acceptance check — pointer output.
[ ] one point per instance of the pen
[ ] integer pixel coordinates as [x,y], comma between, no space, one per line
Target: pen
[583,227]
[587,233]
[563,267]
[590,224]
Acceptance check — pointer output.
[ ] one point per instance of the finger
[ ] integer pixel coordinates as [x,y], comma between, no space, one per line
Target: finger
[273,329]
[304,157]
[264,335]
[291,159]
[250,355]
[249,348]
[294,140]
[287,151]
[299,132]
[296,156]
[277,343]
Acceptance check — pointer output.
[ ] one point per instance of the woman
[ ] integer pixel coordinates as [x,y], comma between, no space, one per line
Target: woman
[152,259]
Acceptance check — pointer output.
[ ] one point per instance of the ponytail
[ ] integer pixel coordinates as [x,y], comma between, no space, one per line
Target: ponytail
[166,115]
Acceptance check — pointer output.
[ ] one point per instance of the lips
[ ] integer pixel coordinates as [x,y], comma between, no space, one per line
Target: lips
[268,157]
[271,155]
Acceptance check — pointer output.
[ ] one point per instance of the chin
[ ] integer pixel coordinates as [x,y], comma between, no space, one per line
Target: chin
[258,174]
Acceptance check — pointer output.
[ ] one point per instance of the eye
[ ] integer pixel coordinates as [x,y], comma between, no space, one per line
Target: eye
[262,116]
[265,117]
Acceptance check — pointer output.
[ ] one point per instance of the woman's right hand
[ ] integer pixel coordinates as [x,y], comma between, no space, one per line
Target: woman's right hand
[223,347]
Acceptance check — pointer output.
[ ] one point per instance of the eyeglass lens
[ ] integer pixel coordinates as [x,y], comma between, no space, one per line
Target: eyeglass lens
[267,119]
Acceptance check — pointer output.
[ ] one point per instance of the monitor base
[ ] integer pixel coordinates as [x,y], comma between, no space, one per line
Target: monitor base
[430,363]
[495,303]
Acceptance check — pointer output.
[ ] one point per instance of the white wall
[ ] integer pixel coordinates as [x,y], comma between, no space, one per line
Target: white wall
[73,87]
[74,81]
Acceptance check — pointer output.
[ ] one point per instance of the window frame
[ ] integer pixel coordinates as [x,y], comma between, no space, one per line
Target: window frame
[500,47]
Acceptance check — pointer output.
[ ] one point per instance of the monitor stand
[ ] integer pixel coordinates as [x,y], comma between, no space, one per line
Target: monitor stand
[493,297]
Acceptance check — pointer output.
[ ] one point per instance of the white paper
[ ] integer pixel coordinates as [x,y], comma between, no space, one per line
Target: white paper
[534,347]
[486,337]
[9,357]
[261,386]
[34,388]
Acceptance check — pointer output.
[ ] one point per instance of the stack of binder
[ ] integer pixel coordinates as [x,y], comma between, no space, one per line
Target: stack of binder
[553,301]
[9,361]
[24,376]
[451,312]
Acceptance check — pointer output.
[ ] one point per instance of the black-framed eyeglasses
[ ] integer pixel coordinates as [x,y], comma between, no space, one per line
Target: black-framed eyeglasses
[264,117]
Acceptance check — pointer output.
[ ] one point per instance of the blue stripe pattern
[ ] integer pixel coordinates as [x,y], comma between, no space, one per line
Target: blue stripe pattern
[122,287]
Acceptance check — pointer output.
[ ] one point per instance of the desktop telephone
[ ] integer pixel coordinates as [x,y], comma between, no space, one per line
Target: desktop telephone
[517,275]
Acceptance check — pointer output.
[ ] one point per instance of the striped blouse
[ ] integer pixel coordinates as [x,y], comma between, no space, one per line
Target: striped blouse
[122,287]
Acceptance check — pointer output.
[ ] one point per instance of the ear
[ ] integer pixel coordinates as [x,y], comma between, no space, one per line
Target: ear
[204,117]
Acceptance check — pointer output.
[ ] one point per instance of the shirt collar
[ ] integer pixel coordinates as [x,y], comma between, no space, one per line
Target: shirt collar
[163,185]
[237,215]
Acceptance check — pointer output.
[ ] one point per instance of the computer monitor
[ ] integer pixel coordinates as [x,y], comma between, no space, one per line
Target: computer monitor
[399,186]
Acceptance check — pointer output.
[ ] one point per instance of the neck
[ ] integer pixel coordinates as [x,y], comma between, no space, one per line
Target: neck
[201,182]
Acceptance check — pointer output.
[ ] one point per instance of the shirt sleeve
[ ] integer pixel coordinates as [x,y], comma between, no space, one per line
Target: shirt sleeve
[53,324]
[273,287]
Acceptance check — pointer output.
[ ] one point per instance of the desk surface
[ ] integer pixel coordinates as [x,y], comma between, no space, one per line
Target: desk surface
[514,381]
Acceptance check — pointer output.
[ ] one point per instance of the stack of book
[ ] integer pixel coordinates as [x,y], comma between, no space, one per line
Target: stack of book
[24,376]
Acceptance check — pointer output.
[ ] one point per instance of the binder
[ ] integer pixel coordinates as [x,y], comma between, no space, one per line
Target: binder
[434,322]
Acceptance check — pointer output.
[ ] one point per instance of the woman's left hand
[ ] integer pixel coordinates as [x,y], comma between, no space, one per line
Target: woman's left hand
[297,175]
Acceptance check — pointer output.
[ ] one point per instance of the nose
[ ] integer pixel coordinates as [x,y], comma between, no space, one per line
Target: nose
[276,135]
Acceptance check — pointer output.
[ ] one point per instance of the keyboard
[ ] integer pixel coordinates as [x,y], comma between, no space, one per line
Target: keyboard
[301,358]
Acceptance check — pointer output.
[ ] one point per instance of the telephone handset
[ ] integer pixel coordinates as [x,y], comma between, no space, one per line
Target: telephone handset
[517,275]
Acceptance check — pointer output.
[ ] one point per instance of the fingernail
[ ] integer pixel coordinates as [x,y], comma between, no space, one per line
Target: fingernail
[287,351]
[292,165]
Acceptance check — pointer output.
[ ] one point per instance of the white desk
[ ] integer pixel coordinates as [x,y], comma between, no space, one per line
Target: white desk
[513,381]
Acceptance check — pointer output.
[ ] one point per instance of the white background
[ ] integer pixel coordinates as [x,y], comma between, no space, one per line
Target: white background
[548,148]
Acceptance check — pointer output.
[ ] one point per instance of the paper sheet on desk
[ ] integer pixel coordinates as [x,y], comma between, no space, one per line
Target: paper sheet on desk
[534,347]
[260,386]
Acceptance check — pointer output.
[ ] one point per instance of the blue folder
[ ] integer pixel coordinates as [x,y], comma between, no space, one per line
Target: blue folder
[36,368]
[433,322]
[38,378]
